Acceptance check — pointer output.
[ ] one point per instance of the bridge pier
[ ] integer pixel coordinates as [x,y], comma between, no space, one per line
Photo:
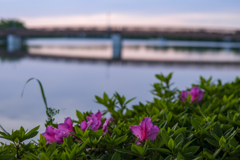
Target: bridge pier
[116,45]
[14,43]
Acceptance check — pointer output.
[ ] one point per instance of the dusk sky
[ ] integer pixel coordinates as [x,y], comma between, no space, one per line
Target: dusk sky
[173,13]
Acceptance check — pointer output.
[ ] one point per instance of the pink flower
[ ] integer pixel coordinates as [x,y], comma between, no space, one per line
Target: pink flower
[56,135]
[63,130]
[50,135]
[98,115]
[66,126]
[84,125]
[106,123]
[94,122]
[184,95]
[196,95]
[59,134]
[146,130]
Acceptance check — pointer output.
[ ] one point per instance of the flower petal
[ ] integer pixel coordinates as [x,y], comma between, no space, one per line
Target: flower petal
[99,115]
[89,118]
[200,96]
[137,143]
[49,135]
[59,134]
[68,121]
[184,95]
[152,134]
[83,125]
[196,94]
[146,126]
[137,131]
[106,123]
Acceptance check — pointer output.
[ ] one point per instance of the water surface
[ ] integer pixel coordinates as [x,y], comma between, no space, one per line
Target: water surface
[72,85]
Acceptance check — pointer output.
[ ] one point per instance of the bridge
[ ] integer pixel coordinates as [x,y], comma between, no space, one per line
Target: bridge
[190,33]
[14,37]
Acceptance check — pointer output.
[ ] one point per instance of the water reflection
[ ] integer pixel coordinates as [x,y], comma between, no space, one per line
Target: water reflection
[77,52]
[149,50]
[171,54]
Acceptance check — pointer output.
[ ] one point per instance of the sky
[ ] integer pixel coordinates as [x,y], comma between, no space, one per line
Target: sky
[162,13]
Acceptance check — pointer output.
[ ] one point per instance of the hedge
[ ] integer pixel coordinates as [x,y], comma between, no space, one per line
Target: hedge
[196,124]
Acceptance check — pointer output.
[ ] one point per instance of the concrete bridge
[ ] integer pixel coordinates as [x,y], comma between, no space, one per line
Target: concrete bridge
[14,37]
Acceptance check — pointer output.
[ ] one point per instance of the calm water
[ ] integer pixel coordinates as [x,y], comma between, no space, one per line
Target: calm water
[72,85]
[155,49]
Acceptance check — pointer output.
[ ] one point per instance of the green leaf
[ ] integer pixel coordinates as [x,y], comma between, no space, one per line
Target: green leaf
[130,100]
[180,130]
[180,156]
[233,143]
[73,152]
[32,133]
[79,115]
[44,156]
[217,129]
[179,140]
[117,131]
[169,116]
[41,87]
[126,152]
[116,156]
[215,136]
[195,124]
[207,155]
[222,140]
[171,144]
[165,136]
[186,145]
[162,150]
[169,157]
[137,149]
[120,140]
[191,149]
[4,130]
[7,157]
[216,153]
[82,147]
[212,142]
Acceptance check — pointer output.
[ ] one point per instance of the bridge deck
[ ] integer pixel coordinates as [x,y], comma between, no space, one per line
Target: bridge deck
[127,31]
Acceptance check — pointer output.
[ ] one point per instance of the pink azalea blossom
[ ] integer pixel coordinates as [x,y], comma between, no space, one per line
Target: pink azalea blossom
[56,135]
[106,123]
[94,122]
[196,95]
[146,130]
[50,135]
[184,95]
[63,130]
[59,134]
[98,115]
[84,125]
[66,126]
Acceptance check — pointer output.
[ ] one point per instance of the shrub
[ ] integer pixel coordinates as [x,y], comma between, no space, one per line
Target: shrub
[200,123]
[11,24]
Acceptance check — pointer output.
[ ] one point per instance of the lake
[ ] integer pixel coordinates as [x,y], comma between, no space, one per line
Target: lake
[71,85]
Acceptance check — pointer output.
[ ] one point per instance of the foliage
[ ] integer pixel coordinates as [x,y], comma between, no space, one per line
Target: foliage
[11,24]
[189,130]
[50,112]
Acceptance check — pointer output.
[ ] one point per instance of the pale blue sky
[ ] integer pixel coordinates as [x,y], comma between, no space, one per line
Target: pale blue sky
[212,13]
